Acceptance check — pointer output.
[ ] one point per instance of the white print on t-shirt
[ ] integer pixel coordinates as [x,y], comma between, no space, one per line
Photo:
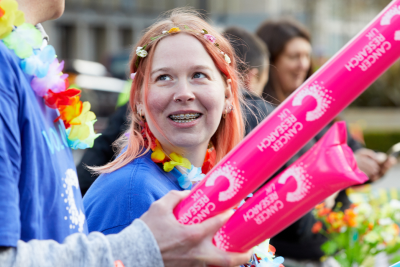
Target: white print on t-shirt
[394,11]
[77,217]
[320,94]
[302,180]
[233,175]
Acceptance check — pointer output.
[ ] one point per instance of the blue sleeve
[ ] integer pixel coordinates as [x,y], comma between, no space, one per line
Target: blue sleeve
[10,152]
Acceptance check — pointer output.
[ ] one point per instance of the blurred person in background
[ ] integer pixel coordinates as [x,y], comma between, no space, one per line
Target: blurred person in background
[253,65]
[290,49]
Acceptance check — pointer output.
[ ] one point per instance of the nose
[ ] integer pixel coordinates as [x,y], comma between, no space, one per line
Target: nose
[183,93]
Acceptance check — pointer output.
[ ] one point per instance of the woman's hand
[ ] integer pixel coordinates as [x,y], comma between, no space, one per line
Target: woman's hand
[373,164]
[188,245]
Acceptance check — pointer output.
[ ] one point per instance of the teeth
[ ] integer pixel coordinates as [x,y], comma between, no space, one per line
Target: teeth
[183,118]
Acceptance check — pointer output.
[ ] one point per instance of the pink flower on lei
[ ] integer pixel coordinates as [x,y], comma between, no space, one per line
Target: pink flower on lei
[54,80]
[210,38]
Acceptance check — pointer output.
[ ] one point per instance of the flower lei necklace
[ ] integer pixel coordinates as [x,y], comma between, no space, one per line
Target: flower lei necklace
[187,174]
[48,80]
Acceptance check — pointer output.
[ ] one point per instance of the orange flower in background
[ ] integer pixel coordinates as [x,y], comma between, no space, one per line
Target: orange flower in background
[320,206]
[316,227]
[350,218]
[396,228]
[174,30]
[323,212]
[336,221]
[370,226]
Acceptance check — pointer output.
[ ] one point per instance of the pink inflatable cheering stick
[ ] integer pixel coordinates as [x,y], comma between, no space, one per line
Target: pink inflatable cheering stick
[300,117]
[326,168]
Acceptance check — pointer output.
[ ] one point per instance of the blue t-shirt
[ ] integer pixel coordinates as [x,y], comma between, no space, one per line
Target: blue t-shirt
[39,189]
[116,199]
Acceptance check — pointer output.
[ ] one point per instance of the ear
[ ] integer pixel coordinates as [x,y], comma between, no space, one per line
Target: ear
[253,73]
[139,107]
[228,92]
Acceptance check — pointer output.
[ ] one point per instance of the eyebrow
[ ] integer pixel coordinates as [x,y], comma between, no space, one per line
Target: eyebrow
[158,70]
[166,69]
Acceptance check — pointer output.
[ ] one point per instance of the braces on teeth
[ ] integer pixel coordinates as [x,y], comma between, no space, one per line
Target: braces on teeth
[183,118]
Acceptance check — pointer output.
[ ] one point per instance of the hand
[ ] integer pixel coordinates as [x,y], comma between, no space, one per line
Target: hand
[367,162]
[373,164]
[188,245]
[385,162]
[330,201]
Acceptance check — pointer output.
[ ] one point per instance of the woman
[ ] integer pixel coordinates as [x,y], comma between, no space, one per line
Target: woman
[186,103]
[289,44]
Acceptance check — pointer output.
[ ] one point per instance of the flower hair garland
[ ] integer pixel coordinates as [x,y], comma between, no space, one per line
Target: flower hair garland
[141,51]
[48,80]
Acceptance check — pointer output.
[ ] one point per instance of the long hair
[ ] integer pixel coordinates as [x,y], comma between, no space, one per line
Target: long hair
[276,34]
[230,130]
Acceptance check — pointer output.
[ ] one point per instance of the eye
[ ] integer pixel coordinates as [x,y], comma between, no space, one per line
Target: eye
[163,78]
[199,75]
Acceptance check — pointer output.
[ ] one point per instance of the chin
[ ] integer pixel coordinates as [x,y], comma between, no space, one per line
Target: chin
[58,9]
[186,141]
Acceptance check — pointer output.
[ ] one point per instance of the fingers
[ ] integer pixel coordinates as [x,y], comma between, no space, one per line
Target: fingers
[369,166]
[170,200]
[366,152]
[213,224]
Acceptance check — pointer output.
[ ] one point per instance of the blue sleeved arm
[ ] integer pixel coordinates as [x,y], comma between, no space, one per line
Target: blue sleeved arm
[10,153]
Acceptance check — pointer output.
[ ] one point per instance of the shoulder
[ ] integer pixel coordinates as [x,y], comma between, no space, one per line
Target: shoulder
[117,198]
[9,70]
[256,104]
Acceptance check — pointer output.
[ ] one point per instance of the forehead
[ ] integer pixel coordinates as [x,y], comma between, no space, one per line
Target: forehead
[180,50]
[298,44]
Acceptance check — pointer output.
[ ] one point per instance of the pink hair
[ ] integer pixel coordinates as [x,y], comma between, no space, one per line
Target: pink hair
[231,129]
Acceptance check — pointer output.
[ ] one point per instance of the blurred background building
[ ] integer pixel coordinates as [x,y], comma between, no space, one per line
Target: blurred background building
[95,38]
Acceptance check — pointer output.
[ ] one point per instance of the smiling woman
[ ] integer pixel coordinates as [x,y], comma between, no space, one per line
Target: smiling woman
[186,117]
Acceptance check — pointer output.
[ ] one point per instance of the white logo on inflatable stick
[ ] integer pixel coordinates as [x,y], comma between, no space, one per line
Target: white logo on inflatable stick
[233,175]
[220,239]
[397,36]
[394,11]
[320,94]
[303,184]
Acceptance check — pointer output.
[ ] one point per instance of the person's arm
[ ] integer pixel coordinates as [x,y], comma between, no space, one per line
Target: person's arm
[157,239]
[134,246]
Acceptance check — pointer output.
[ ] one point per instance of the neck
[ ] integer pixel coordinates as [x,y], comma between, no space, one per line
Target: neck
[279,91]
[194,154]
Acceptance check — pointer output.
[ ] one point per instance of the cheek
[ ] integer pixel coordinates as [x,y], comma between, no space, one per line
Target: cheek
[156,101]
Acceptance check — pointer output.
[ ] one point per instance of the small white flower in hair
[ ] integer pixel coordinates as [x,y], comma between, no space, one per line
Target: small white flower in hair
[227,59]
[164,32]
[141,52]
[133,75]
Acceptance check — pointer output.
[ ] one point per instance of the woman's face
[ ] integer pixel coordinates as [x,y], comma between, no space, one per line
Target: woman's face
[293,64]
[187,94]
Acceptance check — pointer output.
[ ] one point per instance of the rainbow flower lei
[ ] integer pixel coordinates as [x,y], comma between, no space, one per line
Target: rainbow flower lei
[48,80]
